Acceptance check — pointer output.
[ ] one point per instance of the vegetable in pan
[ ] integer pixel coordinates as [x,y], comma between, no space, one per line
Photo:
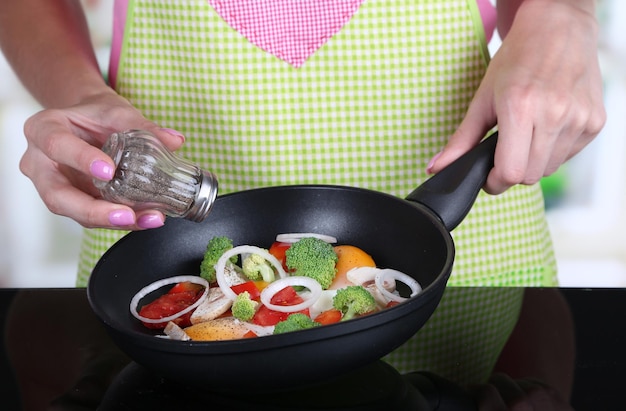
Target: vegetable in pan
[216,247]
[354,300]
[295,322]
[244,307]
[255,267]
[259,297]
[314,258]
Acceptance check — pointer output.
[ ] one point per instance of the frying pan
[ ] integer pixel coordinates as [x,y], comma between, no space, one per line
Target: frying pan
[411,235]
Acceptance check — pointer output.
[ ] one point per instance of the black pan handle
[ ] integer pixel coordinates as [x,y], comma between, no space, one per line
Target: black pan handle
[451,193]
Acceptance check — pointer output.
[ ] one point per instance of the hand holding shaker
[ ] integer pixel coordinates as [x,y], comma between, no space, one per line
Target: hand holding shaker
[149,176]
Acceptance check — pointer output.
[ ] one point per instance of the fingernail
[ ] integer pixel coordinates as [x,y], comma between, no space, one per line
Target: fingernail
[121,218]
[432,162]
[101,170]
[174,133]
[150,221]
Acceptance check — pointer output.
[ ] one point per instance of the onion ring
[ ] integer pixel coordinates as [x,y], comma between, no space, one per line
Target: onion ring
[134,302]
[220,266]
[383,275]
[294,237]
[268,292]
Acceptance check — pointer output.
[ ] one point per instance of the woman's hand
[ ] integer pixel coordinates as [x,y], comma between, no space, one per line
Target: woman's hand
[63,157]
[543,89]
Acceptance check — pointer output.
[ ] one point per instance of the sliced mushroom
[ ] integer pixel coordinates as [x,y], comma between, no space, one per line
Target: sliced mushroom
[233,274]
[175,332]
[212,307]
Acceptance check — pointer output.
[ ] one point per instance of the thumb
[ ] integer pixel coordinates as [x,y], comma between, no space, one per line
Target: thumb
[478,120]
[172,139]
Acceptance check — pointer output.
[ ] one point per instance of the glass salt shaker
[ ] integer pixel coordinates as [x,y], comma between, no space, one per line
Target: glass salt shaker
[149,176]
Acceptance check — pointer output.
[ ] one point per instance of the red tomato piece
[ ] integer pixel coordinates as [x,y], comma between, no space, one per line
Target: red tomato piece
[250,287]
[329,317]
[186,286]
[278,249]
[286,296]
[250,334]
[169,304]
[266,316]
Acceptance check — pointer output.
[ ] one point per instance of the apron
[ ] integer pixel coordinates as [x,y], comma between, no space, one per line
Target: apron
[357,93]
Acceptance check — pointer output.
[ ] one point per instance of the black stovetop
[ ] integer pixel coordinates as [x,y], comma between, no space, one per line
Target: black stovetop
[114,382]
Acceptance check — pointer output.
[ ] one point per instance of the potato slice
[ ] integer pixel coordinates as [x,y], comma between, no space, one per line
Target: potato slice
[224,328]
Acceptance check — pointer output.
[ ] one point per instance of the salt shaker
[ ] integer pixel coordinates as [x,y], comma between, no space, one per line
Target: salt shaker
[149,176]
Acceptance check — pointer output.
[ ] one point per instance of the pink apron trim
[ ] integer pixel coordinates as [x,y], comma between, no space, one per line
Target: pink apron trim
[117,38]
[489,17]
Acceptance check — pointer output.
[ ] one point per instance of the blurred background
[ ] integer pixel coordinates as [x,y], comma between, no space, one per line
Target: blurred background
[585,199]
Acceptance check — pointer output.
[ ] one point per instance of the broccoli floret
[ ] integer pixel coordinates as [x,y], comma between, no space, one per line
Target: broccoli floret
[312,257]
[244,307]
[354,300]
[256,268]
[215,248]
[295,322]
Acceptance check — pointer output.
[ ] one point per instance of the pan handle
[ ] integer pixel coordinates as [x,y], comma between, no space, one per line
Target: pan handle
[451,193]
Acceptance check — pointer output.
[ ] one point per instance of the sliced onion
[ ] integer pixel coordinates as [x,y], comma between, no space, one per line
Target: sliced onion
[384,275]
[294,237]
[162,283]
[259,330]
[243,249]
[268,292]
[365,276]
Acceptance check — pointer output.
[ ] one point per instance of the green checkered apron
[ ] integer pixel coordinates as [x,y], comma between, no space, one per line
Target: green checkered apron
[369,108]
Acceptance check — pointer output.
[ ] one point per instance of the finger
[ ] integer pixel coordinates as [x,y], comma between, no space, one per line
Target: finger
[542,156]
[92,212]
[515,133]
[172,139]
[60,145]
[132,119]
[66,200]
[67,195]
[478,120]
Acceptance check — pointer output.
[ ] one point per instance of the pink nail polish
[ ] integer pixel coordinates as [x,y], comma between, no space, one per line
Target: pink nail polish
[174,133]
[101,170]
[432,162]
[150,221]
[121,218]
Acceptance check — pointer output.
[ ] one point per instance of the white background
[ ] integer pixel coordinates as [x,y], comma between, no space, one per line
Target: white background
[39,249]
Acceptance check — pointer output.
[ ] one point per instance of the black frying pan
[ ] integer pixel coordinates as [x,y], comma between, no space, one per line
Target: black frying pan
[411,236]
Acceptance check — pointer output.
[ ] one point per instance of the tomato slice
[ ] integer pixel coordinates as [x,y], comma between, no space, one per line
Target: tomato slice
[250,287]
[186,286]
[250,334]
[329,317]
[278,249]
[266,316]
[169,304]
[286,296]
